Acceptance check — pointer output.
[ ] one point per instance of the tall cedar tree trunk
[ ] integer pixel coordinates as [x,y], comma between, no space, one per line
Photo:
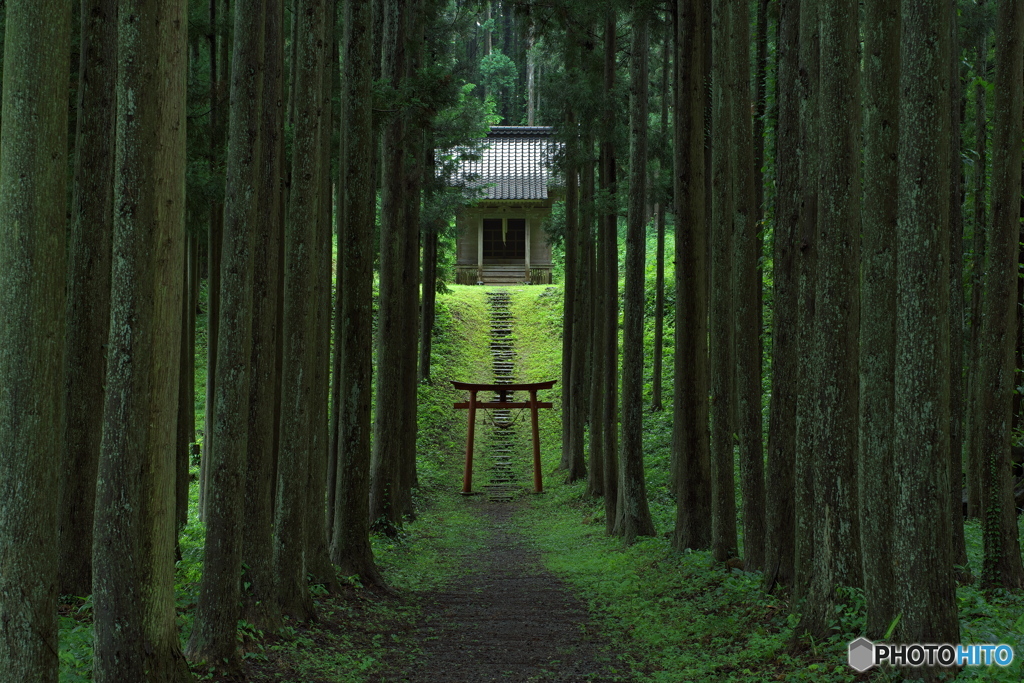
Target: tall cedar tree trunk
[337,193]
[609,346]
[387,462]
[430,238]
[297,370]
[1002,561]
[723,497]
[218,130]
[88,296]
[595,480]
[260,606]
[690,437]
[572,428]
[803,561]
[595,302]
[878,320]
[133,552]
[186,422]
[780,511]
[956,304]
[925,587]
[662,200]
[351,550]
[217,610]
[318,561]
[33,178]
[580,235]
[975,505]
[633,515]
[837,560]
[410,264]
[746,290]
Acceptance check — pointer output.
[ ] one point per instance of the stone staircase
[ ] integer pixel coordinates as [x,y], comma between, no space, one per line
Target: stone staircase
[501,441]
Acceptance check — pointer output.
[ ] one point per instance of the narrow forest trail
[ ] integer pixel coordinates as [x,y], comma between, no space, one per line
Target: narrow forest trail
[506,618]
[502,616]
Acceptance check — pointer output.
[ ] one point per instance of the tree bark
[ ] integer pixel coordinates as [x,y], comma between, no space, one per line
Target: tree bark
[572,428]
[610,277]
[578,375]
[259,603]
[633,515]
[133,550]
[387,461]
[1002,560]
[297,369]
[956,304]
[746,290]
[878,320]
[218,65]
[690,436]
[213,634]
[975,505]
[925,587]
[88,295]
[318,561]
[33,178]
[780,512]
[351,550]
[837,560]
[660,210]
[807,258]
[723,498]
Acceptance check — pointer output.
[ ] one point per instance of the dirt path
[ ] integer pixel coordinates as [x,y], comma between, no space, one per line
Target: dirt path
[508,619]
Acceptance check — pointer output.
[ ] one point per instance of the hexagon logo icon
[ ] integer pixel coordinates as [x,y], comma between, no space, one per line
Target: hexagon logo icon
[861,655]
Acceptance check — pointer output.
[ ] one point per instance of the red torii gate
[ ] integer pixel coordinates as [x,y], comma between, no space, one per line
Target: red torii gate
[503,391]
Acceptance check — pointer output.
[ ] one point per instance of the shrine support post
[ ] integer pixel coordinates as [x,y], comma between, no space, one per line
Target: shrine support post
[467,480]
[537,485]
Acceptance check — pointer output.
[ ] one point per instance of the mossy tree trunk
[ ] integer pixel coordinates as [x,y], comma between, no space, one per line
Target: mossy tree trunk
[297,395]
[807,258]
[33,178]
[746,277]
[633,515]
[259,604]
[1002,560]
[133,547]
[88,295]
[925,585]
[351,550]
[690,436]
[837,560]
[878,319]
[723,498]
[213,637]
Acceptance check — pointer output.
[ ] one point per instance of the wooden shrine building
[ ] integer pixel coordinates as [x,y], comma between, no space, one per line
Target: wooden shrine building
[500,237]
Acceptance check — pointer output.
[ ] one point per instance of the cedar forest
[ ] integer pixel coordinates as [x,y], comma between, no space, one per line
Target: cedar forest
[786,328]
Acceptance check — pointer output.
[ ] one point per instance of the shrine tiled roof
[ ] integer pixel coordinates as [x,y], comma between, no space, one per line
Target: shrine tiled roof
[515,163]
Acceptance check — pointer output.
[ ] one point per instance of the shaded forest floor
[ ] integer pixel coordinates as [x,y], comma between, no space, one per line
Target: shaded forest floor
[534,589]
[507,619]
